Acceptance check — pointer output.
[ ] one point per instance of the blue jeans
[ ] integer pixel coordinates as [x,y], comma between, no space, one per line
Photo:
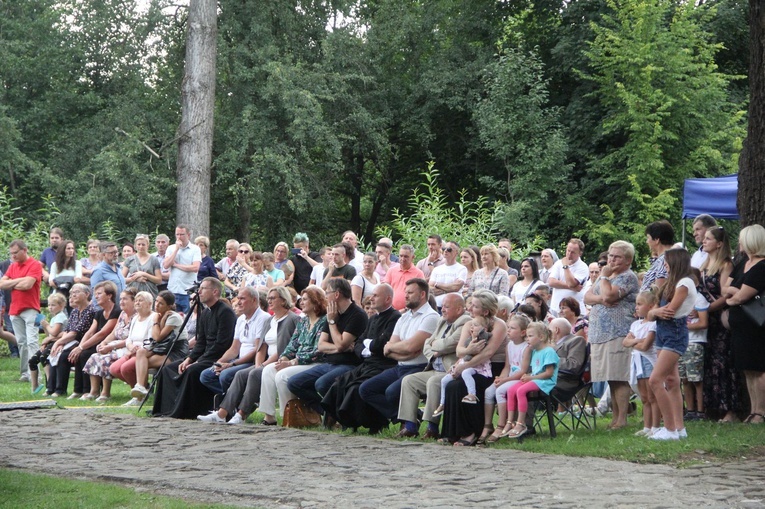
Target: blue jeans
[311,385]
[384,390]
[220,384]
[182,302]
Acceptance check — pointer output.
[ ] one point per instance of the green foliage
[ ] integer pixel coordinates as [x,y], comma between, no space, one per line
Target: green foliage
[466,222]
[14,226]
[667,114]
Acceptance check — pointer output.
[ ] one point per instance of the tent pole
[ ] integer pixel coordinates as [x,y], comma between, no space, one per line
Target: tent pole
[683,231]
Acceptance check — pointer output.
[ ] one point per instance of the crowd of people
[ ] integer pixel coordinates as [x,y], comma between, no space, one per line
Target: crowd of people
[359,340]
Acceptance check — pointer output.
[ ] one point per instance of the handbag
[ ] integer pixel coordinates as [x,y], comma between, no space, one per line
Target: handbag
[754,309]
[297,415]
[160,347]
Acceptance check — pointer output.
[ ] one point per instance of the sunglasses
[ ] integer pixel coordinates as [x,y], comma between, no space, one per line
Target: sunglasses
[447,250]
[244,251]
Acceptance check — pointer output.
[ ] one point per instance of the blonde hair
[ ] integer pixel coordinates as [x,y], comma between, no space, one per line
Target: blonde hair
[523,321]
[650,296]
[57,298]
[541,330]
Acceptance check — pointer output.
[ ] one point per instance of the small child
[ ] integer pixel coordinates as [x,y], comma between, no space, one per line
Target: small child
[53,331]
[517,363]
[543,377]
[480,330]
[641,340]
[691,367]
[678,297]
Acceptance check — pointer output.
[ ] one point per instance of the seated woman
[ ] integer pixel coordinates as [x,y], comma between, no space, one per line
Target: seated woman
[299,355]
[53,331]
[239,268]
[110,349]
[283,263]
[89,263]
[462,420]
[270,267]
[66,270]
[540,306]
[138,331]
[142,270]
[167,341]
[207,267]
[364,283]
[243,395]
[76,355]
[256,276]
[569,309]
[80,320]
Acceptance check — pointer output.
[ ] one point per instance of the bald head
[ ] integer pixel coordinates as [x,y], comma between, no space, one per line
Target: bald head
[452,307]
[559,328]
[382,297]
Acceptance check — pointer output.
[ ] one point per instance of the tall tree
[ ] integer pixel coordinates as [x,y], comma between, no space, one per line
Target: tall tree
[197,118]
[751,173]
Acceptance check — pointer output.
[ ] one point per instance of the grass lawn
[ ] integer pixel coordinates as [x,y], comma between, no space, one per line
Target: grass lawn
[21,489]
[707,441]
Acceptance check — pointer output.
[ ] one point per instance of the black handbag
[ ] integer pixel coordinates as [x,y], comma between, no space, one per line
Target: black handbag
[754,309]
[160,347]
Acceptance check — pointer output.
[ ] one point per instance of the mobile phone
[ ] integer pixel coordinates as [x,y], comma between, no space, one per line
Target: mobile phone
[295,251]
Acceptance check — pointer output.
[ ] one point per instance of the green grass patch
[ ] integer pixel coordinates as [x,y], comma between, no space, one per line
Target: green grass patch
[21,489]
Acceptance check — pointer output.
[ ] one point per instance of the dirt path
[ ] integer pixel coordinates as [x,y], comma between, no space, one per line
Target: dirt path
[284,468]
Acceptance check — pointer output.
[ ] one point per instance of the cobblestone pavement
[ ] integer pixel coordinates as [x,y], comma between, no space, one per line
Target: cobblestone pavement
[284,468]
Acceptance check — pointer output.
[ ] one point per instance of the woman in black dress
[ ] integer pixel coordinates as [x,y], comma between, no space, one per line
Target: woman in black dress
[748,337]
[721,381]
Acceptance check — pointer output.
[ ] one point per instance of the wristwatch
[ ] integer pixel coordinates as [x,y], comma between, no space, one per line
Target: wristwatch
[331,322]
[565,267]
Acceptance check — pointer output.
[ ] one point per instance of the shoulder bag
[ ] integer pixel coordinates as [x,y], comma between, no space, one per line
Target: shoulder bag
[754,309]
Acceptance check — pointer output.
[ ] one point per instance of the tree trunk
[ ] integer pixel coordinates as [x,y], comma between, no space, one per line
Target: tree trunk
[197,109]
[751,174]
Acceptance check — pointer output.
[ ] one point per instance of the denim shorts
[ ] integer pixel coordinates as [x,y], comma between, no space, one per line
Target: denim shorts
[672,335]
[647,368]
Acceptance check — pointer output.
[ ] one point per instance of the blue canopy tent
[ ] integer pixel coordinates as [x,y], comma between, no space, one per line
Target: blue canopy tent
[714,196]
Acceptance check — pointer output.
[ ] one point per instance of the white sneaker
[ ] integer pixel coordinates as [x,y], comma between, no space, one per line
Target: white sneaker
[236,419]
[653,430]
[74,395]
[682,433]
[665,434]
[139,391]
[87,397]
[643,432]
[133,402]
[211,417]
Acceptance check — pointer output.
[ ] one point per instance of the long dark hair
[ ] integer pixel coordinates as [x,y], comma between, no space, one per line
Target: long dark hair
[679,262]
[534,268]
[61,262]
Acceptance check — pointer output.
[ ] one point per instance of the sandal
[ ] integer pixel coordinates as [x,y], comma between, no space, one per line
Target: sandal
[507,429]
[266,423]
[471,399]
[462,442]
[438,411]
[482,439]
[444,441]
[754,416]
[517,434]
[496,436]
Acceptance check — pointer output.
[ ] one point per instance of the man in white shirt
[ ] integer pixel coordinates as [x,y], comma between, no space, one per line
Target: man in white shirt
[701,224]
[382,392]
[568,275]
[161,242]
[183,260]
[449,277]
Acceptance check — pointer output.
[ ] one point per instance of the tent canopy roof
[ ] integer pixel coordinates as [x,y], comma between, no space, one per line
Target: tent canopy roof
[713,196]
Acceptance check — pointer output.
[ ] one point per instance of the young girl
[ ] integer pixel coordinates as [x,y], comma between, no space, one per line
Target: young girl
[641,340]
[517,363]
[480,329]
[678,295]
[543,377]
[53,331]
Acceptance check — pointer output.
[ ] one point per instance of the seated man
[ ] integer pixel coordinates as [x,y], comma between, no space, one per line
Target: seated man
[382,392]
[342,401]
[180,393]
[345,322]
[440,350]
[572,351]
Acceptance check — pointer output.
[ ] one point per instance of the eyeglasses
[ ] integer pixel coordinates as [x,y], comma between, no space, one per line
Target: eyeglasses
[111,252]
[243,251]
[447,249]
